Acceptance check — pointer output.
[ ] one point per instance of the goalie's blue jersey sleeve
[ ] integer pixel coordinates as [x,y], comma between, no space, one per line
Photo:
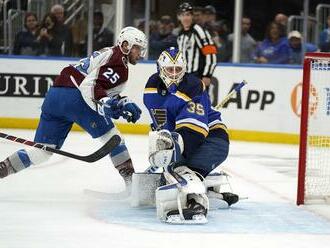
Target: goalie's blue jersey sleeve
[185,109]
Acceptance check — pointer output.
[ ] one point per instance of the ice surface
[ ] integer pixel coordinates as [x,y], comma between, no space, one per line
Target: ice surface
[45,206]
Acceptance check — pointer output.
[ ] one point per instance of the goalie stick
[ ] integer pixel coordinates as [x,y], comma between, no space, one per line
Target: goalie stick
[151,168]
[100,153]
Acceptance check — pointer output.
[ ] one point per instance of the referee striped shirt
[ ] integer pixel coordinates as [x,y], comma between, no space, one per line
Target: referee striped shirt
[199,50]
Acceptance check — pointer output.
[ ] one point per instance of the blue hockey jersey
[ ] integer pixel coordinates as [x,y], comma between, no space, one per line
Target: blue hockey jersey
[185,108]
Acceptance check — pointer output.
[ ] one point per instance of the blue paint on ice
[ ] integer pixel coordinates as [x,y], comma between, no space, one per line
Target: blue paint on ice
[244,217]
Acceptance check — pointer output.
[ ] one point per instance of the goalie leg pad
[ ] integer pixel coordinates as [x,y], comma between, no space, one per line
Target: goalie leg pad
[217,181]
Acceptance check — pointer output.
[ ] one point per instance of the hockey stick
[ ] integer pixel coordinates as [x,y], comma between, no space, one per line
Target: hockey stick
[231,94]
[100,153]
[151,168]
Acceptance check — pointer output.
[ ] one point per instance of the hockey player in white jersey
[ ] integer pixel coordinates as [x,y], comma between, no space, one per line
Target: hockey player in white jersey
[87,93]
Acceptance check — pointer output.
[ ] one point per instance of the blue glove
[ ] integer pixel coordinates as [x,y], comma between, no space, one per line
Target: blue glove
[109,109]
[129,110]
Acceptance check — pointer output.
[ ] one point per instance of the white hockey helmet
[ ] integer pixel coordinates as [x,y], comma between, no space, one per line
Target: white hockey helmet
[133,36]
[171,66]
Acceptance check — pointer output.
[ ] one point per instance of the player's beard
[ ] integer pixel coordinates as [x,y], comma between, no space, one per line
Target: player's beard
[131,60]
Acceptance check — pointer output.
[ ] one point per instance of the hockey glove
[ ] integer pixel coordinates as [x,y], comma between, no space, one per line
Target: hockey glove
[129,110]
[164,147]
[109,109]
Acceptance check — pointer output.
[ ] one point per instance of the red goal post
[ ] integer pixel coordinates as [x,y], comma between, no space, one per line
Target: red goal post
[314,148]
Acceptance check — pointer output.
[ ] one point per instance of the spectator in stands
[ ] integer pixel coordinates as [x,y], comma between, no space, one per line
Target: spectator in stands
[163,38]
[210,14]
[49,37]
[218,31]
[102,36]
[198,15]
[220,38]
[297,47]
[210,17]
[282,20]
[79,33]
[325,38]
[248,44]
[26,41]
[63,30]
[274,49]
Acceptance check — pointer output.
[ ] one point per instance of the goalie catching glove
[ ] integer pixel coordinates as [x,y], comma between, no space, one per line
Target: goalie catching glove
[113,108]
[165,147]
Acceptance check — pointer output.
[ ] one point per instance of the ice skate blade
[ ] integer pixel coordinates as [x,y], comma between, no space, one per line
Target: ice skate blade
[196,220]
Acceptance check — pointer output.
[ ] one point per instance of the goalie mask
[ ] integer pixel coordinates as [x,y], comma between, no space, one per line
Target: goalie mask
[132,36]
[171,66]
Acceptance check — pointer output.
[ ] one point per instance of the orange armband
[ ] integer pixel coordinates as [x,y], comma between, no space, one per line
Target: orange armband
[209,49]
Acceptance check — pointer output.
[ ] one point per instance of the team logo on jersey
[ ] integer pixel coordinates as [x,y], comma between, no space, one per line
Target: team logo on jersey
[159,117]
[163,92]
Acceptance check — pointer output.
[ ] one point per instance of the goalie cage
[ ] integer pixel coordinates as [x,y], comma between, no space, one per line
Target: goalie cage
[314,148]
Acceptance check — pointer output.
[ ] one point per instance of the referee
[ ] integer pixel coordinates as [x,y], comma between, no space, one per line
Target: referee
[197,45]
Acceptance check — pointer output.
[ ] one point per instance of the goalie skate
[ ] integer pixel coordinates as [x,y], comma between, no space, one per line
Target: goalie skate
[195,213]
[221,200]
[216,183]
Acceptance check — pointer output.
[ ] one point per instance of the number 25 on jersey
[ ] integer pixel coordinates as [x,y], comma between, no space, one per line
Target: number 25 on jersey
[111,75]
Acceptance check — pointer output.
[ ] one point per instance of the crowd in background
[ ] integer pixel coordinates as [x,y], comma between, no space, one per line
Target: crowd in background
[51,37]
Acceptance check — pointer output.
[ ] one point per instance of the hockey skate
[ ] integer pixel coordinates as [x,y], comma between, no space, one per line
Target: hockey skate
[195,213]
[126,170]
[6,168]
[182,204]
[215,184]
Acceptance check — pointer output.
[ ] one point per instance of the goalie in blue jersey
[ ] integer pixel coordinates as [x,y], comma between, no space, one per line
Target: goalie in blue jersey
[188,133]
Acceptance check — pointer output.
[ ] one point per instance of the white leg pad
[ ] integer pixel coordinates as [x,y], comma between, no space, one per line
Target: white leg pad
[171,197]
[218,181]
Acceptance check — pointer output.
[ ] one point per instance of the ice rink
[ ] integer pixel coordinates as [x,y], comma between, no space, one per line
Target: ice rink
[46,206]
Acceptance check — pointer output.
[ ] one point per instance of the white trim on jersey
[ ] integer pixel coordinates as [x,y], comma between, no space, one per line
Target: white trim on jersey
[87,85]
[194,122]
[214,123]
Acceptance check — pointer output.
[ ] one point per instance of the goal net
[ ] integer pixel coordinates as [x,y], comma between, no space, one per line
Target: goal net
[314,150]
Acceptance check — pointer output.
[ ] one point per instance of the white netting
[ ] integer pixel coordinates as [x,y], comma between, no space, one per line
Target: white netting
[317,181]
